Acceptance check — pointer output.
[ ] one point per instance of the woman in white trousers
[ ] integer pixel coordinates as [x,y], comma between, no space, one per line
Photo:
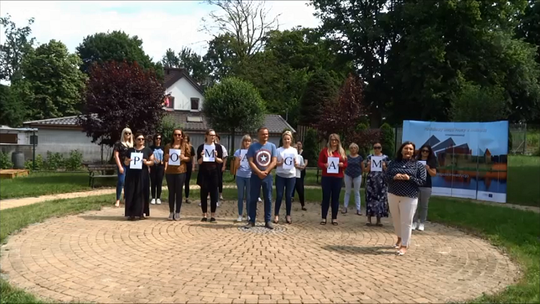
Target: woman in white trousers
[404,176]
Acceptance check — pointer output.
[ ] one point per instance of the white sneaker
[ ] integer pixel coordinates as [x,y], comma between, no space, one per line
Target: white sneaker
[248,218]
[177,216]
[240,218]
[171,216]
[421,226]
[158,201]
[153,202]
[414,225]
[217,204]
[259,200]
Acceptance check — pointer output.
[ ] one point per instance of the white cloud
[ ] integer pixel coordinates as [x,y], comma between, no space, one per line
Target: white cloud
[160,25]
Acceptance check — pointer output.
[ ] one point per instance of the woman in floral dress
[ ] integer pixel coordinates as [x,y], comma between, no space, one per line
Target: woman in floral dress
[376,188]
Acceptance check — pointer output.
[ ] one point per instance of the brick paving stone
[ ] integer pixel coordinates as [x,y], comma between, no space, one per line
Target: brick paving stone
[99,256]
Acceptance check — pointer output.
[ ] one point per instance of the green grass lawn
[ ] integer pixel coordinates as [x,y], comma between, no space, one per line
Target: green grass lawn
[517,232]
[523,186]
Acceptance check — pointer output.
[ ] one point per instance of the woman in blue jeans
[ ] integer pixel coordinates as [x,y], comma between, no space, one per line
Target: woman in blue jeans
[243,176]
[285,175]
[120,150]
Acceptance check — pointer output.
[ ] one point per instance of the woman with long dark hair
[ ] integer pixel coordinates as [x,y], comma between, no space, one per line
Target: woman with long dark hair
[209,158]
[331,182]
[177,155]
[157,171]
[404,176]
[428,159]
[137,186]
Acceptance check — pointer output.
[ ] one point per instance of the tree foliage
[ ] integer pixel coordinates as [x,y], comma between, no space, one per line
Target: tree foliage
[320,90]
[12,110]
[120,95]
[341,115]
[477,103]
[388,140]
[17,43]
[311,147]
[187,59]
[54,80]
[115,46]
[234,106]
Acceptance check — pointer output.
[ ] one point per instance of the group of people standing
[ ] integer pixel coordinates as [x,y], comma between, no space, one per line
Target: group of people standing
[397,187]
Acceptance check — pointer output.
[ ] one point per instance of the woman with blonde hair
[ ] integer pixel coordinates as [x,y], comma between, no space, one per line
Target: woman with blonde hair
[353,178]
[285,175]
[333,162]
[243,176]
[120,150]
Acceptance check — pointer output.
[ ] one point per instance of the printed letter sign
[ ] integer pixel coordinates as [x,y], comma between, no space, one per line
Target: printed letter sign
[243,159]
[136,160]
[174,157]
[376,163]
[209,154]
[288,161]
[423,162]
[333,165]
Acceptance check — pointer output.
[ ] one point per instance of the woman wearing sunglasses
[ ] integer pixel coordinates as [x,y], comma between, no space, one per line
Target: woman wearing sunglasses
[120,149]
[137,186]
[175,171]
[376,188]
[427,157]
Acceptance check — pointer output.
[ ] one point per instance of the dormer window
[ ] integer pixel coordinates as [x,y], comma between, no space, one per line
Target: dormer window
[194,104]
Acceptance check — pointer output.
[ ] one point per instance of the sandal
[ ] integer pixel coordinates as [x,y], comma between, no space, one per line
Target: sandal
[288,220]
[323,222]
[117,204]
[400,253]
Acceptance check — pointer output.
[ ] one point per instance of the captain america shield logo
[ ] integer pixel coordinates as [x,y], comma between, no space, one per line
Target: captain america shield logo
[263,158]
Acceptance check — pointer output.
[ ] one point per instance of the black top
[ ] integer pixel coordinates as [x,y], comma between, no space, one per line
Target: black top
[208,167]
[408,188]
[119,146]
[303,171]
[192,154]
[147,152]
[432,163]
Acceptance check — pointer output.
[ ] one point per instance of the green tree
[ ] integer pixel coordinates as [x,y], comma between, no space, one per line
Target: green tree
[311,147]
[115,46]
[55,81]
[12,110]
[477,103]
[194,64]
[388,140]
[320,90]
[234,106]
[17,43]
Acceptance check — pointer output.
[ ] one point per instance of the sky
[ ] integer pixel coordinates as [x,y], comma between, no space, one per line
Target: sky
[160,24]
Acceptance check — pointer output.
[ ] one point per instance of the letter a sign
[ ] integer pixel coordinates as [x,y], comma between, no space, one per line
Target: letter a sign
[376,163]
[333,165]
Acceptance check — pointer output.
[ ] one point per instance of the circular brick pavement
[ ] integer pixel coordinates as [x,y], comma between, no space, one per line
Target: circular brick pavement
[99,256]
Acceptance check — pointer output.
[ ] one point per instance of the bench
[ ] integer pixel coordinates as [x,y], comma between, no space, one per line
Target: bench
[100,171]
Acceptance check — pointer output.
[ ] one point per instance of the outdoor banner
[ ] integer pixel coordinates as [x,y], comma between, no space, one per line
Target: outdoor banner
[471,157]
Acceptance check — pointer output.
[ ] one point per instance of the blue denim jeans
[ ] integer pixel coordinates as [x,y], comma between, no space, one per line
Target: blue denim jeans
[120,183]
[242,185]
[331,187]
[255,186]
[284,185]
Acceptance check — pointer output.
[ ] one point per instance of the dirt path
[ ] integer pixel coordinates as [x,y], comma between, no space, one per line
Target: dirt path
[18,202]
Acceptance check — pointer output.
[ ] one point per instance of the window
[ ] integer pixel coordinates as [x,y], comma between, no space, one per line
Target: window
[194,104]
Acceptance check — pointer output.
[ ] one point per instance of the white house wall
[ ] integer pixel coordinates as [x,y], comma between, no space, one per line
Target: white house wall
[183,91]
[64,141]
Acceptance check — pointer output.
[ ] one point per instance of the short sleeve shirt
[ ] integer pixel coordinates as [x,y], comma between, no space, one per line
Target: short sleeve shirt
[262,154]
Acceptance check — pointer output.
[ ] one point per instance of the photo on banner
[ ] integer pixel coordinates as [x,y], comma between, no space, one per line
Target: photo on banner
[471,157]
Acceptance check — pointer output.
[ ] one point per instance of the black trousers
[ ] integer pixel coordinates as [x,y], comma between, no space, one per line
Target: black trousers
[220,179]
[175,182]
[299,187]
[209,185]
[156,179]
[188,178]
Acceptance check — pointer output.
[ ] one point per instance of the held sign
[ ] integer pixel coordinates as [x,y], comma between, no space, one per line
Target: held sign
[136,160]
[288,161]
[333,165]
[174,157]
[209,154]
[376,164]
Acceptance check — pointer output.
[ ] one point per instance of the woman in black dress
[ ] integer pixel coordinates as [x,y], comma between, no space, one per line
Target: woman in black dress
[137,184]
[208,177]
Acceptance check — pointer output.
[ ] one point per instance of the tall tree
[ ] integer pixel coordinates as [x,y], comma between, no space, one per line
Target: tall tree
[342,115]
[115,46]
[55,81]
[476,103]
[320,90]
[234,106]
[120,95]
[12,110]
[170,60]
[221,57]
[529,26]
[16,45]
[247,21]
[187,59]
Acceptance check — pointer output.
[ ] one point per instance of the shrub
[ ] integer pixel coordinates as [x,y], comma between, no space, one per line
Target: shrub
[29,164]
[54,161]
[5,162]
[311,147]
[74,161]
[388,140]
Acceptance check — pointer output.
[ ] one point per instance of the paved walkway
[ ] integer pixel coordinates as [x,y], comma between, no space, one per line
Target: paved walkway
[99,256]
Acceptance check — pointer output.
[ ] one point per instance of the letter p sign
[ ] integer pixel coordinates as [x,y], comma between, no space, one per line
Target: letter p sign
[136,160]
